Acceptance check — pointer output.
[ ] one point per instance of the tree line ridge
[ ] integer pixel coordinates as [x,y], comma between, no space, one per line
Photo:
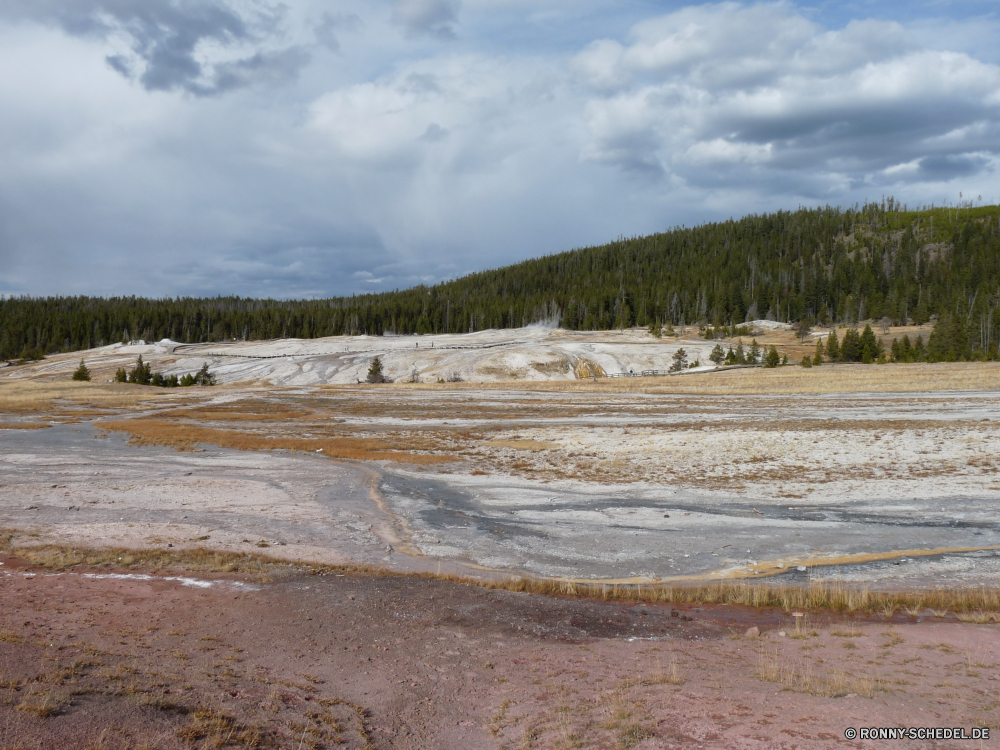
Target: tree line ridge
[827,264]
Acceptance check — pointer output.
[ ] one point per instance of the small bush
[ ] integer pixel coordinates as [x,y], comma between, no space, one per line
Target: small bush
[81,372]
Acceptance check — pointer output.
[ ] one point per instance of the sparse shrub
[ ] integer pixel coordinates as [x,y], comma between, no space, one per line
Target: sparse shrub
[81,372]
[204,377]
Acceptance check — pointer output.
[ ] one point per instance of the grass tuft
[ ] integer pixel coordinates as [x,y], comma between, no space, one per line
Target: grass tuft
[980,603]
[772,666]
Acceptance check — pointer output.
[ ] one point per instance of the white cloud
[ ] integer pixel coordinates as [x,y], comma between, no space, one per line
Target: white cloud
[434,18]
[743,88]
[393,158]
[475,108]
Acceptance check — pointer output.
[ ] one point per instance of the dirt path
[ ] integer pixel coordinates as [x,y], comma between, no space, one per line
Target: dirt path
[413,663]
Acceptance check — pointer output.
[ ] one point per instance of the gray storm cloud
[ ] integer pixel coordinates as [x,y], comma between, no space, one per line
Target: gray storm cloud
[731,92]
[167,40]
[312,148]
[436,18]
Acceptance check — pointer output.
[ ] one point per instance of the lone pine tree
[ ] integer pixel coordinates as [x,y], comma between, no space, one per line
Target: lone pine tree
[81,372]
[375,374]
[680,361]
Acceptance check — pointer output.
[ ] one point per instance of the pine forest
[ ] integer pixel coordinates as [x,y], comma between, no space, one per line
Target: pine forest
[877,261]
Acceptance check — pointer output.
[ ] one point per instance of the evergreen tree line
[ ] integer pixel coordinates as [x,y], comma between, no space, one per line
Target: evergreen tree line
[863,347]
[948,342]
[827,264]
[142,374]
[754,355]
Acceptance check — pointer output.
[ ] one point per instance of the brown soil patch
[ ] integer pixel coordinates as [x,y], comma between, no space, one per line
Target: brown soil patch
[362,661]
[185,436]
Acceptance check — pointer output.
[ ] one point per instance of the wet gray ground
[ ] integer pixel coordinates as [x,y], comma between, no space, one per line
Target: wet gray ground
[68,484]
[657,532]
[73,483]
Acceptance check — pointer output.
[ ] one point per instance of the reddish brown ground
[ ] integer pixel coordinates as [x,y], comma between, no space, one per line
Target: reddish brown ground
[412,663]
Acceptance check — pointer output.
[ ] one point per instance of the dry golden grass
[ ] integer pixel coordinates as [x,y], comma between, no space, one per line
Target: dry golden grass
[772,666]
[666,676]
[188,436]
[72,399]
[850,632]
[523,445]
[244,410]
[298,716]
[978,617]
[840,378]
[623,717]
[24,425]
[212,728]
[54,557]
[814,596]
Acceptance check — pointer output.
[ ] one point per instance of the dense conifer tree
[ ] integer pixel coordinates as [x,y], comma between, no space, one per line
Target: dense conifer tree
[375,374]
[81,372]
[850,347]
[871,347]
[680,361]
[832,346]
[740,357]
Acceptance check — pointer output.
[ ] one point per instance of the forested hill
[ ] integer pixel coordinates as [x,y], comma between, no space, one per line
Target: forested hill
[827,263]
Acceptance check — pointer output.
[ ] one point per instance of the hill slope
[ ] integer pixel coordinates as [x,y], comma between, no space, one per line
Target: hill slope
[829,263]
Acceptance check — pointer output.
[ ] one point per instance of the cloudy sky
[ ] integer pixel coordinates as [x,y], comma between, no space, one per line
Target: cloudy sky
[298,148]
